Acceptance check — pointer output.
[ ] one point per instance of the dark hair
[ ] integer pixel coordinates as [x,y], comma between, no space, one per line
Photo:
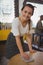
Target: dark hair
[41,16]
[29,5]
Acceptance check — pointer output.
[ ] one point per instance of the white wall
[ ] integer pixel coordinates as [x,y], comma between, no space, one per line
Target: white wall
[4,4]
[20,5]
[6,10]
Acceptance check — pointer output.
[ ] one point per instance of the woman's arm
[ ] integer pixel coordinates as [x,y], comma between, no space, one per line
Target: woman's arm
[29,40]
[19,44]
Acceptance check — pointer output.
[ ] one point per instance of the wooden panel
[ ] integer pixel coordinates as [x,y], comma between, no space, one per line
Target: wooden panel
[34,1]
[16,8]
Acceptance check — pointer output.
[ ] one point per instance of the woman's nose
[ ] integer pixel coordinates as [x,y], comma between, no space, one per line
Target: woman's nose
[27,15]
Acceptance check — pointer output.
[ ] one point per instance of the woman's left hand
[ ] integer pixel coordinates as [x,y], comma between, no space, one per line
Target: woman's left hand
[32,51]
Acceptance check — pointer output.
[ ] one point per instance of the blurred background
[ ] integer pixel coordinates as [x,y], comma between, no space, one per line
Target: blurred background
[9,9]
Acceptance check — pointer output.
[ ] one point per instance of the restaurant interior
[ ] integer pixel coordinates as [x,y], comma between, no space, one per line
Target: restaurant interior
[10,9]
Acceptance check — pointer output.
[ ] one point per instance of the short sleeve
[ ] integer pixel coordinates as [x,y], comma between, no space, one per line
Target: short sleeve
[15,28]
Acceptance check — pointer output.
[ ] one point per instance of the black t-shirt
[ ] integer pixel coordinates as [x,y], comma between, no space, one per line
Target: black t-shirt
[38,27]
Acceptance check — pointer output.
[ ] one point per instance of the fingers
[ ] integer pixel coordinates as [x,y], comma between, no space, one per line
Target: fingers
[25,56]
[32,51]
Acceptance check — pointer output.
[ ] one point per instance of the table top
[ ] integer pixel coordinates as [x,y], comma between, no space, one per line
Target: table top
[38,60]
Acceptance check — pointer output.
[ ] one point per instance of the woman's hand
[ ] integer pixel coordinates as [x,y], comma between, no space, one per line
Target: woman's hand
[32,51]
[24,55]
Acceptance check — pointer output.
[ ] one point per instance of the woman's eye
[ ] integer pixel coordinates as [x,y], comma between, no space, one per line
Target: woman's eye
[25,11]
[30,13]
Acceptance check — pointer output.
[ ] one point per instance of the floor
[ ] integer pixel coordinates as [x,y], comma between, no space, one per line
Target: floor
[2,50]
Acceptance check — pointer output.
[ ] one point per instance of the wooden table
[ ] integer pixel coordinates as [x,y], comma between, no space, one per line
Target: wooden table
[38,60]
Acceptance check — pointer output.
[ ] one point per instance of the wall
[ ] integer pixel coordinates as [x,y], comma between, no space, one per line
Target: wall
[6,11]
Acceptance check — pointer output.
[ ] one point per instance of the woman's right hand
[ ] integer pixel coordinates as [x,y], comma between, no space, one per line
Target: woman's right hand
[24,55]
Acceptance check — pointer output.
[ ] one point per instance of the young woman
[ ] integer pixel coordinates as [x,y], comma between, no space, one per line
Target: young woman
[20,26]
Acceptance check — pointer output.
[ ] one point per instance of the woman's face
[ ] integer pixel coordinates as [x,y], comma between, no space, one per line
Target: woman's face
[26,13]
